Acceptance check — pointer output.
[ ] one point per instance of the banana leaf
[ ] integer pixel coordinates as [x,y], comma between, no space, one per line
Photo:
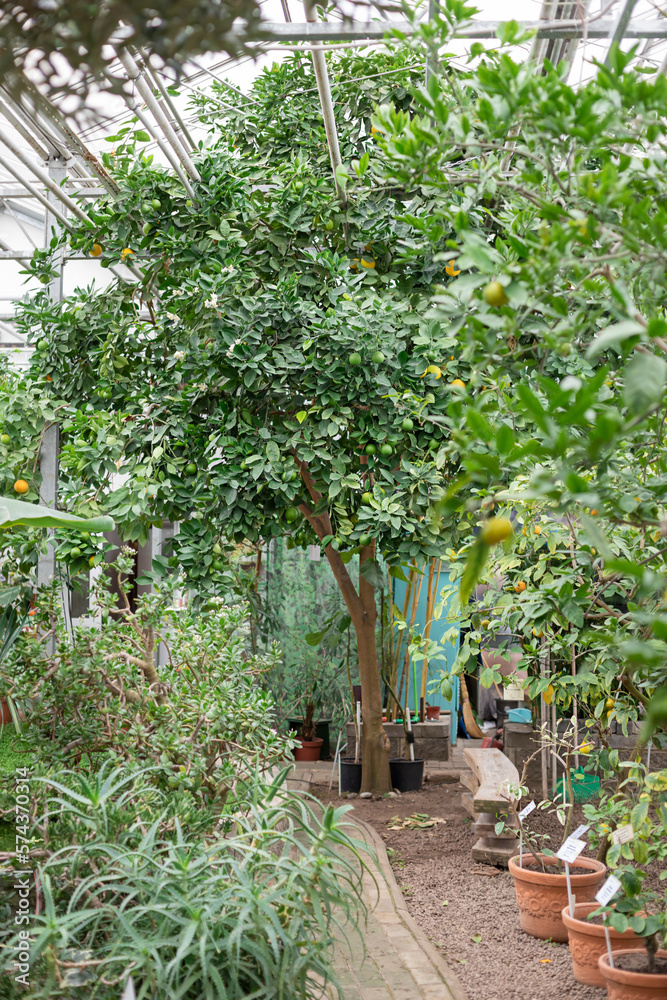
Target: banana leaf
[15,513]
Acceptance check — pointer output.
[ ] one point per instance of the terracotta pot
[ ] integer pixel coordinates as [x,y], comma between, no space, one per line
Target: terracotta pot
[432,711]
[622,985]
[309,749]
[587,942]
[541,896]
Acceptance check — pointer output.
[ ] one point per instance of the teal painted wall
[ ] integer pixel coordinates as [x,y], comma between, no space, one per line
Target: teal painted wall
[438,629]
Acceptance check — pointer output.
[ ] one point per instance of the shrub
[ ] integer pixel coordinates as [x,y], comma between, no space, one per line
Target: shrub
[129,890]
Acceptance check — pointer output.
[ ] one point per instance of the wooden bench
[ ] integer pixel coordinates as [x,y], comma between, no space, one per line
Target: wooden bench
[486,801]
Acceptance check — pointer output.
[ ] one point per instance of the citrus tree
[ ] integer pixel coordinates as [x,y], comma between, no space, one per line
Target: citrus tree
[553,201]
[277,373]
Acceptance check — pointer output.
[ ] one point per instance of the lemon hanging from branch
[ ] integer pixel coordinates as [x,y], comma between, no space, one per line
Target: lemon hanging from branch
[432,370]
[451,269]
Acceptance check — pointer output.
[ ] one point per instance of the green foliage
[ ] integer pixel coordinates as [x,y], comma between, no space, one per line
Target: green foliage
[71,41]
[130,887]
[641,801]
[202,721]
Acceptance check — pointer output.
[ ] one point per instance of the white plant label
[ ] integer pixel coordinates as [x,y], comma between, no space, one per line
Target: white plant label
[608,890]
[571,850]
[527,810]
[580,831]
[623,834]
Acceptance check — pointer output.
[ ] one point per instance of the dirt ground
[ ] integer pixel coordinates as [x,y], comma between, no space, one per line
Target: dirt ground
[466,909]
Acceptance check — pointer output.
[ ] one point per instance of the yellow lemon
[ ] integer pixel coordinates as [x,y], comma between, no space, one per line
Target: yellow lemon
[21,486]
[126,252]
[549,694]
[432,370]
[451,269]
[367,263]
[459,382]
[495,530]
[96,251]
[585,748]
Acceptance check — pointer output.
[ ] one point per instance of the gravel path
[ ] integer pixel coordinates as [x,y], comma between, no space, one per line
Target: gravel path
[470,915]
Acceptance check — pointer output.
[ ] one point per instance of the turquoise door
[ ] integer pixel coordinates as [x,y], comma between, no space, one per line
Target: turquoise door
[448,649]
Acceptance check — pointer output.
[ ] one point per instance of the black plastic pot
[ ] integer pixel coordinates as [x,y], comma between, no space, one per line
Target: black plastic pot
[406,775]
[321,732]
[350,775]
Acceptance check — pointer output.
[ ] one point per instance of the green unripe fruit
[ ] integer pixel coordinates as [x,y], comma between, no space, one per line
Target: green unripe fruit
[494,294]
[75,553]
[355,359]
[290,543]
[189,203]
[218,565]
[91,561]
[217,549]
[5,439]
[565,350]
[191,468]
[328,225]
[365,540]
[146,208]
[42,345]
[244,464]
[377,357]
[386,450]
[146,228]
[370,449]
[156,204]
[291,514]
[44,278]
[433,445]
[366,497]
[407,424]
[298,185]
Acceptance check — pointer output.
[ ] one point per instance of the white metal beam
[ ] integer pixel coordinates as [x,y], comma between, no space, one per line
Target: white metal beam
[323,31]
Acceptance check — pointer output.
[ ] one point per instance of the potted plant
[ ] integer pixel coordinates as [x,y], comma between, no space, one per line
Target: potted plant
[638,811]
[311,744]
[432,712]
[540,881]
[407,773]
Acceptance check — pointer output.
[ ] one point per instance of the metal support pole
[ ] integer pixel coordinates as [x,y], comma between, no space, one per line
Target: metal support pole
[180,128]
[134,74]
[50,208]
[165,149]
[42,176]
[324,90]
[618,31]
[433,8]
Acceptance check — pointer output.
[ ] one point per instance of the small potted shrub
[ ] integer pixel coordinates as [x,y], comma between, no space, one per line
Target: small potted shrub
[539,877]
[311,745]
[639,971]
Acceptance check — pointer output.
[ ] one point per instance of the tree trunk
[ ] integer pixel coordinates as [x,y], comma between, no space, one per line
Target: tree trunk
[375,742]
[375,776]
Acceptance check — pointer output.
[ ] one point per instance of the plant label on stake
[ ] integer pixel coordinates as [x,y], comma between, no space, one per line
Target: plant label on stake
[526,811]
[623,834]
[569,853]
[580,831]
[608,890]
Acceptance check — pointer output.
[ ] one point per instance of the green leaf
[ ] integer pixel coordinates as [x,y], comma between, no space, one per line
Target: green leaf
[645,376]
[301,416]
[16,512]
[473,569]
[273,452]
[611,336]
[371,572]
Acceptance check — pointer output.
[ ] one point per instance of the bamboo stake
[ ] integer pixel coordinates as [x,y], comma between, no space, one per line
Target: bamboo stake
[430,610]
